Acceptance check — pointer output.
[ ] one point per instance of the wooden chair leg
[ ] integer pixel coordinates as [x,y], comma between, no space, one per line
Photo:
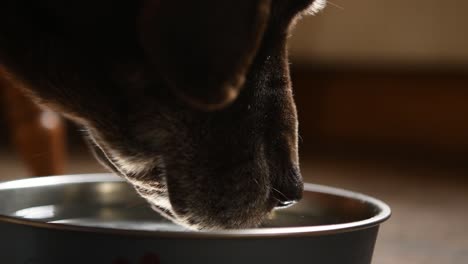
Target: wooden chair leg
[38,135]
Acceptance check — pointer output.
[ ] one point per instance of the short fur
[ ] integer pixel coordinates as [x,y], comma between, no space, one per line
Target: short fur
[190,101]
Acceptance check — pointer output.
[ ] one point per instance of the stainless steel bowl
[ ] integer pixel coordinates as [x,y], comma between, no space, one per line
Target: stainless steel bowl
[98,218]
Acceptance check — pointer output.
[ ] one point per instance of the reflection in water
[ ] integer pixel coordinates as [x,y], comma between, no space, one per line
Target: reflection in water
[118,216]
[35,183]
[38,212]
[122,224]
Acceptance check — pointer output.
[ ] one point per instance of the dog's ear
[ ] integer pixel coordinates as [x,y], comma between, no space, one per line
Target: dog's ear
[203,48]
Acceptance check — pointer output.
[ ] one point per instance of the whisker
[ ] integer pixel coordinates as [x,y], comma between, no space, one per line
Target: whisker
[276,199]
[276,190]
[256,181]
[335,5]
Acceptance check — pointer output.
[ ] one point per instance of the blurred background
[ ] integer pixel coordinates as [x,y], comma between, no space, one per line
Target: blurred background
[382,93]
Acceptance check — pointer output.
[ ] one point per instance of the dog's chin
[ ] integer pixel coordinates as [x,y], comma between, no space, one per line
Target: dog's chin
[162,206]
[169,214]
[190,220]
[151,185]
[200,218]
[186,222]
[156,193]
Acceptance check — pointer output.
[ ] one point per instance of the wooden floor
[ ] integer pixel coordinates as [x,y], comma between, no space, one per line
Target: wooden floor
[430,217]
[429,224]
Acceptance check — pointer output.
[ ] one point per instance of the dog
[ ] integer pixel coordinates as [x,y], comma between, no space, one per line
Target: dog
[189,101]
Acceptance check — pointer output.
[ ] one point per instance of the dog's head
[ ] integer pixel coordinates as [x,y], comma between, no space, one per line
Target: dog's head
[190,101]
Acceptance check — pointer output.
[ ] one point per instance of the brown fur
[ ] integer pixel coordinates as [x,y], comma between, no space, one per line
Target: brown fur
[190,101]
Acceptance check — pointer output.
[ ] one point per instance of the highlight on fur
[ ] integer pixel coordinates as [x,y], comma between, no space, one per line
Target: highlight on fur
[317,6]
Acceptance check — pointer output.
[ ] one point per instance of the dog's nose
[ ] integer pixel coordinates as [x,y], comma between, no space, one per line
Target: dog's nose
[290,192]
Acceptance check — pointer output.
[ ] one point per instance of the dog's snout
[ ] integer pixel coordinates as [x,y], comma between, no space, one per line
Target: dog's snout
[290,191]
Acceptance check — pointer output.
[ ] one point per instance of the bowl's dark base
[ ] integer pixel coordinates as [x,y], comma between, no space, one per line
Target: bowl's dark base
[35,245]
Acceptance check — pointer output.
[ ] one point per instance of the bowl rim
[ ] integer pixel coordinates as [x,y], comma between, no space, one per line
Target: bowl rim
[383,213]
